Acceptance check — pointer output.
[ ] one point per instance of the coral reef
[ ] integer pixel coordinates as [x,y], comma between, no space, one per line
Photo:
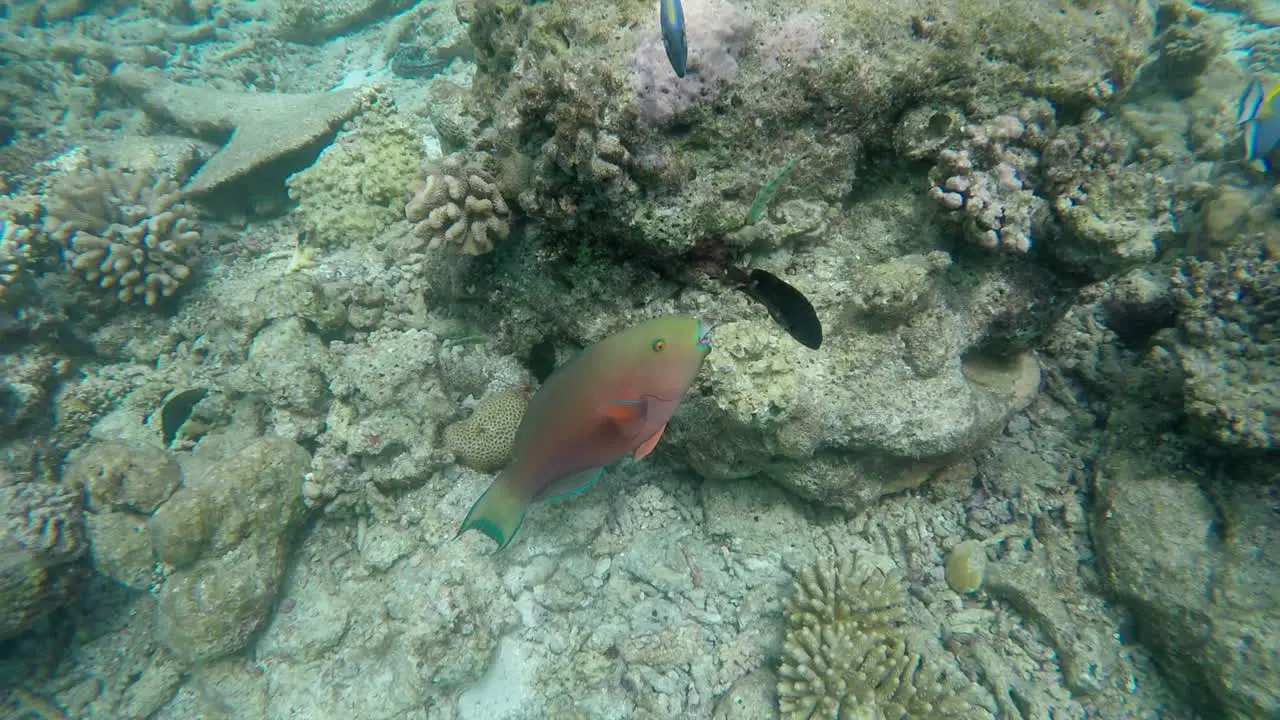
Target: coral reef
[458,205]
[1229,317]
[846,654]
[126,232]
[716,33]
[356,189]
[485,439]
[41,538]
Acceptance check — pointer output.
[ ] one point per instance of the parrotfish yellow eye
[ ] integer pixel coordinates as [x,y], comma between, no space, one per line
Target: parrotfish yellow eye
[659,345]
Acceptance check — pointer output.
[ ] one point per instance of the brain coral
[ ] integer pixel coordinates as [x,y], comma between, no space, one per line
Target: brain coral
[124,231]
[845,655]
[483,441]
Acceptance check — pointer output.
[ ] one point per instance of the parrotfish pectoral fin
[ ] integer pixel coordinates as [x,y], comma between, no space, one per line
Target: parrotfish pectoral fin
[498,513]
[647,446]
[571,485]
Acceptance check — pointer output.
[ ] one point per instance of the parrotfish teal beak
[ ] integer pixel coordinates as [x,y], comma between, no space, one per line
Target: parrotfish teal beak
[704,336]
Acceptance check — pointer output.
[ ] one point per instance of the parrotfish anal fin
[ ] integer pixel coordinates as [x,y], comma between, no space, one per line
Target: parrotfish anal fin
[571,485]
[647,446]
[498,513]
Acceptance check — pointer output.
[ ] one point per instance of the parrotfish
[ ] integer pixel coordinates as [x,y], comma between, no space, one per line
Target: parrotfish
[671,20]
[613,399]
[1260,115]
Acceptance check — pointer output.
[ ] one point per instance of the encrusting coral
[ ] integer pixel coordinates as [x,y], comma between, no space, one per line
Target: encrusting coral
[125,231]
[1229,312]
[845,653]
[484,441]
[459,204]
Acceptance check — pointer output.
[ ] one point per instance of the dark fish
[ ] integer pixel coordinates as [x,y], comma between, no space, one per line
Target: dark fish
[177,410]
[671,20]
[786,305]
[541,360]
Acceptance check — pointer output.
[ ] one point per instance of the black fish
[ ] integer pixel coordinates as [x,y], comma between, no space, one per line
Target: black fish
[786,305]
[177,410]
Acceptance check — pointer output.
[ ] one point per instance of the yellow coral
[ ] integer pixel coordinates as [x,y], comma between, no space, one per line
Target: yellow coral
[459,204]
[845,654]
[484,441]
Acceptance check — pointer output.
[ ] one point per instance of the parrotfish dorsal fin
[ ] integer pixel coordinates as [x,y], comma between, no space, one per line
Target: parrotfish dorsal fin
[571,485]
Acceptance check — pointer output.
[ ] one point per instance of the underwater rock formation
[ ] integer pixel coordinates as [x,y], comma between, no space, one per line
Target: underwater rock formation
[223,539]
[1201,575]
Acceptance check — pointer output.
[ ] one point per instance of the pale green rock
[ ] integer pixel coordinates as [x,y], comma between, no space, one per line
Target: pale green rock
[248,508]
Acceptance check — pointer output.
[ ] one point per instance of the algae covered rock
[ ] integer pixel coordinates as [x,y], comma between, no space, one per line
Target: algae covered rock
[847,425]
[123,483]
[226,535]
[1201,576]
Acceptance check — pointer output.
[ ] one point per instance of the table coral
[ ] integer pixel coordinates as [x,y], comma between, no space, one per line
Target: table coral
[845,653]
[126,232]
[458,204]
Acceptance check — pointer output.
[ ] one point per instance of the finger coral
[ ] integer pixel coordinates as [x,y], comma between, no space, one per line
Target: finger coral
[845,653]
[459,204]
[124,231]
[15,249]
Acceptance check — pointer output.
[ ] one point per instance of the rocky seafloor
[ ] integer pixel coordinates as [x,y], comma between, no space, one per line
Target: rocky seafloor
[277,278]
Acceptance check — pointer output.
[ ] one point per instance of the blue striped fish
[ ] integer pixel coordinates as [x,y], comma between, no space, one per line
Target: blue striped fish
[1258,112]
[671,19]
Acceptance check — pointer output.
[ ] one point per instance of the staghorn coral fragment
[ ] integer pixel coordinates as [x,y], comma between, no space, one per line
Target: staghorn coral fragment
[257,128]
[458,204]
[845,653]
[126,232]
[484,441]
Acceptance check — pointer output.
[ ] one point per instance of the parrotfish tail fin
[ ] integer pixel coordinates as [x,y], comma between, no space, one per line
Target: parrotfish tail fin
[498,513]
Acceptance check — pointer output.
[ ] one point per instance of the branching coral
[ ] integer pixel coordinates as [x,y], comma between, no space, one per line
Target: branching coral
[15,250]
[125,231]
[987,180]
[459,204]
[845,655]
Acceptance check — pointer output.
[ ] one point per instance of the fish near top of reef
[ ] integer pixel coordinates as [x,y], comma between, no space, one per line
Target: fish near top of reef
[614,398]
[671,21]
[1259,113]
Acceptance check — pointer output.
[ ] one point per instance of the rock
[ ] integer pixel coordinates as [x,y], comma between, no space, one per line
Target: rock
[120,548]
[231,530]
[41,537]
[1200,576]
[314,624]
[753,697]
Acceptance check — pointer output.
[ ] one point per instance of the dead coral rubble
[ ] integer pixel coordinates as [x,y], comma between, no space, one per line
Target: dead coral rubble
[125,231]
